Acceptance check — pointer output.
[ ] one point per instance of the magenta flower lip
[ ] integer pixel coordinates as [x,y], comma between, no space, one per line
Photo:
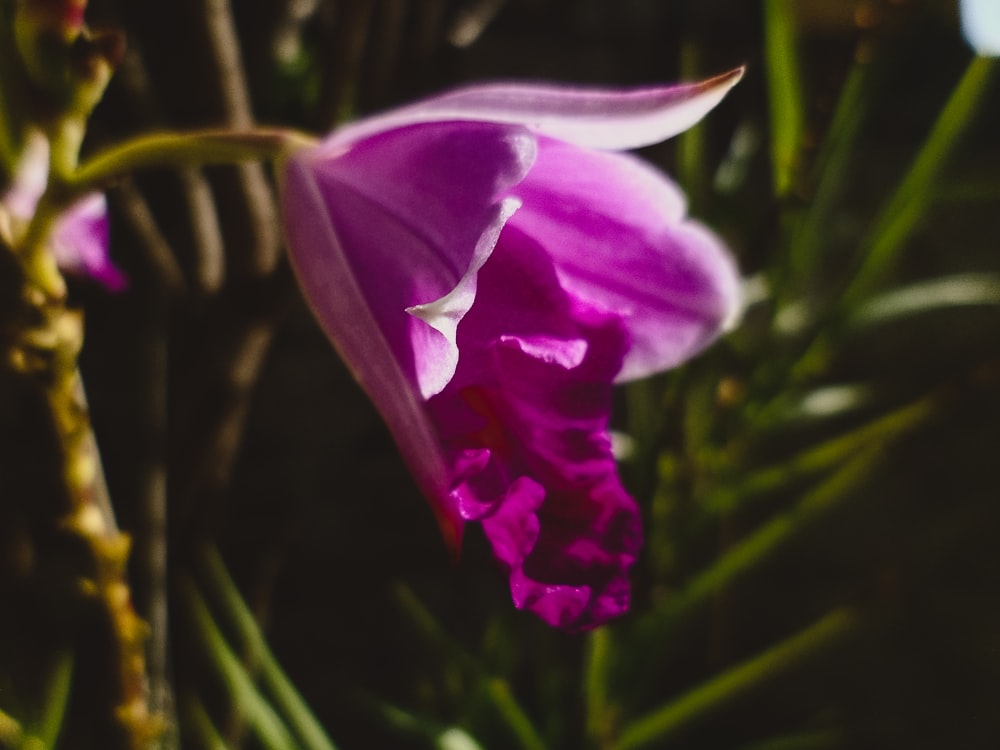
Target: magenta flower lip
[489,265]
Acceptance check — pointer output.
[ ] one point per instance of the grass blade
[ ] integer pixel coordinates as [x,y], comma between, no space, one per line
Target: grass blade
[906,207]
[267,726]
[286,697]
[661,724]
[785,92]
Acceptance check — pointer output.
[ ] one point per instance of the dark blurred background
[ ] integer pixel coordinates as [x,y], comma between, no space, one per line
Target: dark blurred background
[222,411]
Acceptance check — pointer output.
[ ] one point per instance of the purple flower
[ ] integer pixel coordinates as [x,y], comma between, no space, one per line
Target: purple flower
[79,240]
[488,266]
[80,243]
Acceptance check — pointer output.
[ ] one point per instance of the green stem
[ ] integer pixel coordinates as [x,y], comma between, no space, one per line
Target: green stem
[830,170]
[57,701]
[46,352]
[662,724]
[907,205]
[65,138]
[599,719]
[11,733]
[406,723]
[499,693]
[691,169]
[752,552]
[784,85]
[37,262]
[286,697]
[823,456]
[199,724]
[9,125]
[183,149]
[267,726]
[68,182]
[763,543]
[515,717]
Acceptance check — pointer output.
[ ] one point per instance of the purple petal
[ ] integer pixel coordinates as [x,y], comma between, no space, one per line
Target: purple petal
[531,400]
[488,276]
[617,233]
[80,243]
[597,118]
[576,573]
[399,221]
[417,212]
[339,304]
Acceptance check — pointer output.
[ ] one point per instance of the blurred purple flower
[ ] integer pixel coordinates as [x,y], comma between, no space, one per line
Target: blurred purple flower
[79,241]
[488,268]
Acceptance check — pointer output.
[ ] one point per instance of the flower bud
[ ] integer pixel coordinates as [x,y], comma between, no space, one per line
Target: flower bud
[67,65]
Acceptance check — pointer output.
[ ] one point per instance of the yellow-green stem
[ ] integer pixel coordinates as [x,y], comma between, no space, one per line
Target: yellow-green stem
[68,182]
[11,733]
[44,351]
[198,148]
[785,92]
[599,719]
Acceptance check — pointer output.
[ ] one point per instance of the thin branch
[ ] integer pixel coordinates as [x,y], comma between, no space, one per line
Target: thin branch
[260,215]
[209,265]
[137,214]
[657,727]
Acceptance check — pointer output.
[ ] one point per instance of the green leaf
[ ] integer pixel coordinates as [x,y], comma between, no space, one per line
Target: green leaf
[407,723]
[58,691]
[718,692]
[908,205]
[961,290]
[11,733]
[754,550]
[824,456]
[286,697]
[263,720]
[498,691]
[829,175]
[785,92]
[199,724]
